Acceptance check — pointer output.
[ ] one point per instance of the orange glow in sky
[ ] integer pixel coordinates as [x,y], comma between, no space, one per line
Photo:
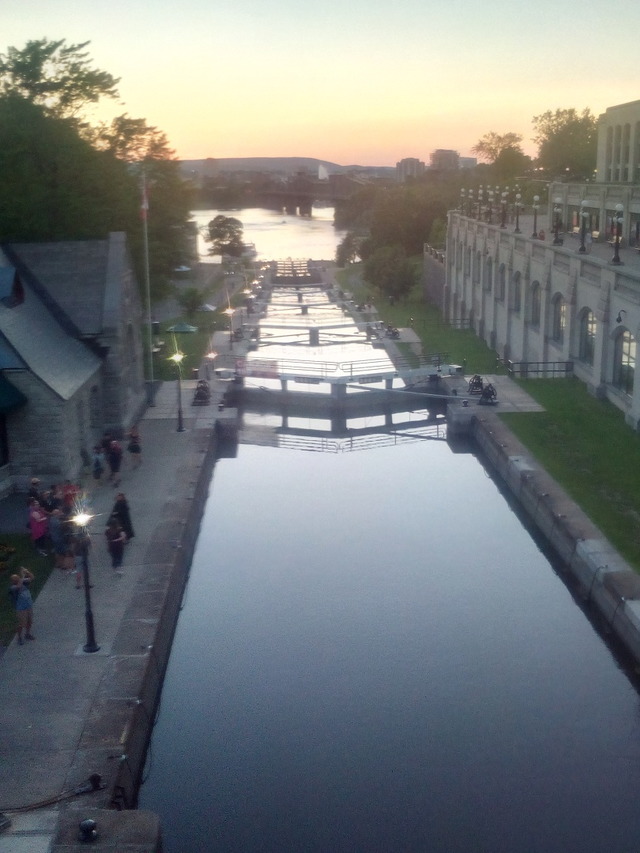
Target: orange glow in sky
[360,83]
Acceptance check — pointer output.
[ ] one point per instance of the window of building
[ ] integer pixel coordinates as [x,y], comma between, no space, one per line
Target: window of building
[587,342]
[624,362]
[536,301]
[488,275]
[502,282]
[559,319]
[516,285]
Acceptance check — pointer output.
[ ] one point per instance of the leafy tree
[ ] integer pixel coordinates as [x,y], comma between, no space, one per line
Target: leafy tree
[492,144]
[190,300]
[225,235]
[55,75]
[390,272]
[348,250]
[567,142]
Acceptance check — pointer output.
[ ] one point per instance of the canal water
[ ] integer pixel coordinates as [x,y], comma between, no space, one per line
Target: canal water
[375,655]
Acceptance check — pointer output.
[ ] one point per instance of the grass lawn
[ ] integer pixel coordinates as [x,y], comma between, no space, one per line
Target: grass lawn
[586,446]
[26,556]
[582,442]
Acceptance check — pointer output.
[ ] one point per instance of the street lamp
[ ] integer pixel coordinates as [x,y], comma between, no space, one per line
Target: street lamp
[557,210]
[617,222]
[490,208]
[210,358]
[503,202]
[480,200]
[177,358]
[516,230]
[463,198]
[536,199]
[584,214]
[83,543]
[229,312]
[470,205]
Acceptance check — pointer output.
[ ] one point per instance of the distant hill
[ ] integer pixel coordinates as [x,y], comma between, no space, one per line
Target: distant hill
[196,170]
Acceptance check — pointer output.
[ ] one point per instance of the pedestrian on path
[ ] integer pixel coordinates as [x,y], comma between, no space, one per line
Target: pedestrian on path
[20,594]
[98,463]
[38,526]
[135,447]
[122,514]
[114,458]
[116,540]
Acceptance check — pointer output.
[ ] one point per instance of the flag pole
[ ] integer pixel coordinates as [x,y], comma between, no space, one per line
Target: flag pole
[144,207]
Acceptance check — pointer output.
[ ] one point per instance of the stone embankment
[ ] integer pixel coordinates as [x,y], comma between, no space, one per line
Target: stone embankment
[594,569]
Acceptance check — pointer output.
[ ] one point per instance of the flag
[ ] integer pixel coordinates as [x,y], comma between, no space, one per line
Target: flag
[144,204]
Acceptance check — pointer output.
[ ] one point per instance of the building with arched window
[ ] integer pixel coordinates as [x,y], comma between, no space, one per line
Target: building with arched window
[553,302]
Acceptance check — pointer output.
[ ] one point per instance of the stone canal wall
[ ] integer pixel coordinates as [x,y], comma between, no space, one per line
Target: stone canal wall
[602,578]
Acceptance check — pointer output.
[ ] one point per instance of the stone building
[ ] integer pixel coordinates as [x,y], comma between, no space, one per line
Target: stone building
[547,305]
[71,356]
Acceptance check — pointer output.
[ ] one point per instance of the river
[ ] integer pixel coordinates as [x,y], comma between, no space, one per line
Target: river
[375,655]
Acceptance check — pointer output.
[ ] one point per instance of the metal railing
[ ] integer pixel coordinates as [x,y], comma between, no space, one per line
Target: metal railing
[544,369]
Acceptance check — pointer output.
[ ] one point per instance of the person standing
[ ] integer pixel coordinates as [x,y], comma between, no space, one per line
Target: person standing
[20,594]
[122,514]
[116,540]
[114,458]
[135,447]
[38,526]
[97,462]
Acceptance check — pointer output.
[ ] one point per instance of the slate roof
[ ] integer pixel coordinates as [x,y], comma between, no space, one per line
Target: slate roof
[73,273]
[44,345]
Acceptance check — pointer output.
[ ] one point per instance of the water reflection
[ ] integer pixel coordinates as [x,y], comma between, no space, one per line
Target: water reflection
[374,655]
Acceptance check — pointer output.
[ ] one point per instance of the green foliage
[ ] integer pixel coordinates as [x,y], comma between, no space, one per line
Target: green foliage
[567,142]
[190,300]
[54,75]
[390,273]
[225,236]
[493,144]
[599,462]
[348,250]
[53,184]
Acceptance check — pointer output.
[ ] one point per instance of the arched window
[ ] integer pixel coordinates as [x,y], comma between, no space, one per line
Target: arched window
[559,318]
[536,300]
[624,362]
[502,277]
[488,275]
[587,342]
[516,284]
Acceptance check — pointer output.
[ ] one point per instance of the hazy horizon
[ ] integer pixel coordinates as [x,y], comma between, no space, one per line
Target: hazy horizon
[360,83]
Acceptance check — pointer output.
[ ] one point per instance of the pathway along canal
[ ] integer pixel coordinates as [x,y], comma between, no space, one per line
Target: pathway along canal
[375,655]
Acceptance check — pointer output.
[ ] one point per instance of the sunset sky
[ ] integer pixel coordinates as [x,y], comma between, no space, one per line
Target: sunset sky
[350,82]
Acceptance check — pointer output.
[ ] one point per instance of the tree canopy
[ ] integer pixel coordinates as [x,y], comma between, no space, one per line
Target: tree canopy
[63,180]
[225,235]
[55,75]
[567,142]
[492,145]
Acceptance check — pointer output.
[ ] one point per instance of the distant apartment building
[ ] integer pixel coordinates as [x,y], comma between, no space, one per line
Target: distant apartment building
[468,162]
[618,160]
[409,167]
[445,159]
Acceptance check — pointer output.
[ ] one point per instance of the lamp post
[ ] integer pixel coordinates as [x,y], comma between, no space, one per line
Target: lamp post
[229,312]
[617,221]
[556,228]
[177,358]
[463,194]
[470,204]
[536,199]
[503,202]
[490,207]
[480,194]
[516,230]
[583,226]
[83,543]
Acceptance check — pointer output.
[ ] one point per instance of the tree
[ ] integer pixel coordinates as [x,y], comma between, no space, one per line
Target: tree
[225,235]
[56,76]
[567,142]
[390,272]
[492,144]
[190,300]
[348,250]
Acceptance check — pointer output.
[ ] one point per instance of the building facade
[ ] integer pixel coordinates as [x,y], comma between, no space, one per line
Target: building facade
[71,355]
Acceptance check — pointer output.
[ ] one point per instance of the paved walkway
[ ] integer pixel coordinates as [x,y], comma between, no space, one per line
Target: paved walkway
[50,686]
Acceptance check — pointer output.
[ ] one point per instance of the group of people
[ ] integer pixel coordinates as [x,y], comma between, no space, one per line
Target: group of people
[53,529]
[108,455]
